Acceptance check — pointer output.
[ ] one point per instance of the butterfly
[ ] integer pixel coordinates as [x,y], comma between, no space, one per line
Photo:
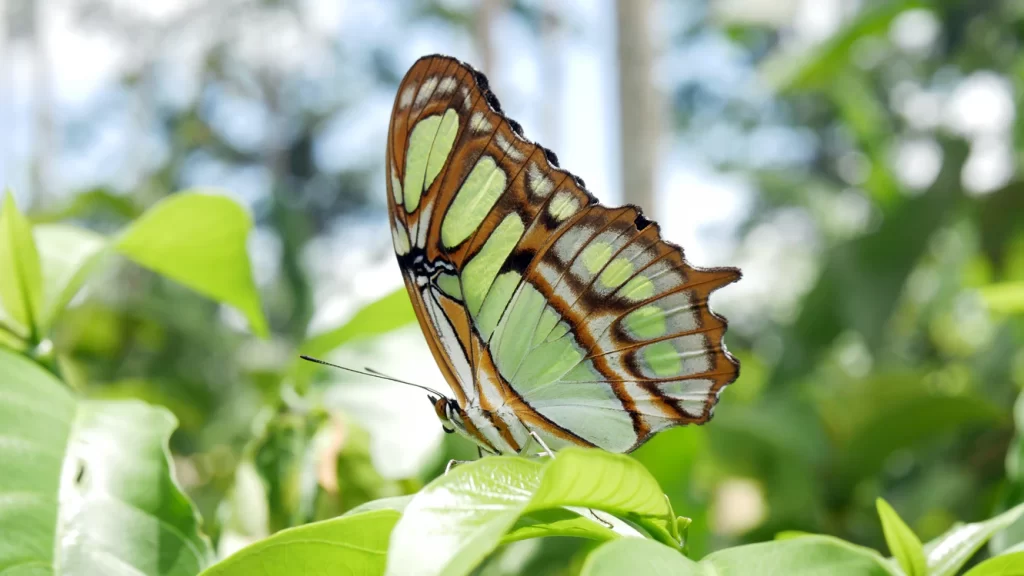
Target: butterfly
[551,316]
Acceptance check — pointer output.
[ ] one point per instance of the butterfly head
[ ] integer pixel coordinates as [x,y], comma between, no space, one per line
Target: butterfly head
[448,412]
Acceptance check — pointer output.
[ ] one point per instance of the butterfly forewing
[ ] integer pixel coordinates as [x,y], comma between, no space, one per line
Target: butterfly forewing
[546,311]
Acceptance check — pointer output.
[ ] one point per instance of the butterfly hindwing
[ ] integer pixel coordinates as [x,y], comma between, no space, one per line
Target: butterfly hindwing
[545,310]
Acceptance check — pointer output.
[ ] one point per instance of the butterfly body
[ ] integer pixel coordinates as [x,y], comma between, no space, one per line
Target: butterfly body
[546,311]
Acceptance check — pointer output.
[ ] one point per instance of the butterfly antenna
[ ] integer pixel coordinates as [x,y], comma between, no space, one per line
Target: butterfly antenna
[373,373]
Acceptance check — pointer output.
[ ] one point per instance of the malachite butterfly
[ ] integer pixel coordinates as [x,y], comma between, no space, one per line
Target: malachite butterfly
[548,313]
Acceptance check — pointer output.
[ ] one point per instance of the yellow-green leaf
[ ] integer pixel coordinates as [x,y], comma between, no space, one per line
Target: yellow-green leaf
[636,556]
[903,543]
[1004,298]
[21,283]
[67,255]
[453,523]
[949,552]
[199,240]
[350,544]
[88,486]
[1007,565]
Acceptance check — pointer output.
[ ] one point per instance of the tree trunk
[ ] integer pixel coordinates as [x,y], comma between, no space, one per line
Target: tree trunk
[487,11]
[639,104]
[6,172]
[551,73]
[43,133]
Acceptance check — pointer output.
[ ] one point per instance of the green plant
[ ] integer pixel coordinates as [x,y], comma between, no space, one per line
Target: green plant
[457,520]
[88,484]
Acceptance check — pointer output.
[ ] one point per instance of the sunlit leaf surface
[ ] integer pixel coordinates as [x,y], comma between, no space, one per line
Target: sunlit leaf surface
[199,240]
[86,487]
[459,518]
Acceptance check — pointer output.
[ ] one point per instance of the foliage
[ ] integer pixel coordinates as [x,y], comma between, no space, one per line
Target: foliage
[878,378]
[83,470]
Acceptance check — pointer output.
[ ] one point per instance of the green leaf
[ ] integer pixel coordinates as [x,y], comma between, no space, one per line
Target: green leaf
[790,534]
[199,240]
[948,553]
[21,282]
[868,120]
[11,340]
[351,544]
[99,204]
[379,317]
[870,419]
[88,484]
[1004,298]
[903,543]
[534,525]
[999,222]
[799,556]
[454,522]
[244,514]
[285,458]
[396,503]
[816,66]
[806,556]
[560,522]
[68,255]
[1006,565]
[1011,538]
[636,556]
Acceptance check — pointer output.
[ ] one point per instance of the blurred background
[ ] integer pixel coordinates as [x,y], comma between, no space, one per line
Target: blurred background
[858,159]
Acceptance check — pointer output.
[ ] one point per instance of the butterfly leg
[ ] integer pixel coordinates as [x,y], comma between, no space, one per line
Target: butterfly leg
[453,464]
[596,516]
[551,454]
[547,451]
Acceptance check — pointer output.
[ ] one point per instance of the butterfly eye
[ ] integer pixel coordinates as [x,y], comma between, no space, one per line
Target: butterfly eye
[441,409]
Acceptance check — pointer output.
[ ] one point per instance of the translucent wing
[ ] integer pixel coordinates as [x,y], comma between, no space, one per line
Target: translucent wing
[545,310]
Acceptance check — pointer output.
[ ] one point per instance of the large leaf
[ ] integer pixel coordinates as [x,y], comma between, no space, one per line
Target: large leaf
[636,556]
[199,240]
[376,318]
[453,523]
[1012,537]
[947,553]
[396,503]
[67,254]
[351,544]
[536,524]
[903,543]
[798,556]
[379,317]
[802,556]
[21,282]
[1008,565]
[564,522]
[86,486]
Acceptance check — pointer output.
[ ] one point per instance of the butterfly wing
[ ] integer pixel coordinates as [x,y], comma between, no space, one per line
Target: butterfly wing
[545,310]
